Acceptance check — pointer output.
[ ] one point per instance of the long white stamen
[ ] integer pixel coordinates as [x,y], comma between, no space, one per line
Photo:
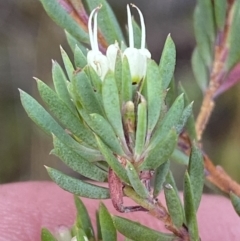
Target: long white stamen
[95,37]
[130,28]
[90,28]
[143,37]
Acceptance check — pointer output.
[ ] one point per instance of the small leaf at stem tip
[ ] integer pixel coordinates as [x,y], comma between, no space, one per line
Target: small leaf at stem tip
[136,183]
[107,227]
[234,37]
[167,62]
[83,220]
[80,59]
[235,202]
[132,230]
[76,186]
[220,8]
[46,235]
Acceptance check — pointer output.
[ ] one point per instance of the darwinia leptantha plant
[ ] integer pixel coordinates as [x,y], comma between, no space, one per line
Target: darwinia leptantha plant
[119,120]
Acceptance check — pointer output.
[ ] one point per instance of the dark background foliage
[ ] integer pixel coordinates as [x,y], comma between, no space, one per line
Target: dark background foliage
[29,40]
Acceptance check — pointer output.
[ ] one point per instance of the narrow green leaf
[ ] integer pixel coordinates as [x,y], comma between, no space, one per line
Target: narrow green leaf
[67,63]
[77,162]
[234,38]
[141,128]
[170,180]
[64,20]
[170,120]
[187,112]
[137,34]
[60,84]
[154,94]
[136,231]
[83,219]
[179,157]
[220,8]
[161,152]
[190,125]
[107,227]
[78,187]
[160,176]
[174,205]
[64,114]
[135,181]
[196,173]
[105,131]
[126,81]
[107,21]
[235,202]
[85,93]
[206,10]
[171,93]
[111,104]
[112,161]
[80,59]
[189,207]
[99,232]
[118,74]
[199,69]
[45,121]
[167,62]
[203,42]
[73,42]
[46,235]
[81,235]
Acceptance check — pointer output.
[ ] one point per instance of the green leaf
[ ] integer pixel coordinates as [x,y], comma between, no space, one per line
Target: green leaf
[118,74]
[45,121]
[84,92]
[154,94]
[179,157]
[160,154]
[81,236]
[126,92]
[141,128]
[111,104]
[108,229]
[189,207]
[170,120]
[60,84]
[187,112]
[65,115]
[137,34]
[77,162]
[80,59]
[220,8]
[67,64]
[234,38]
[135,181]
[160,176]
[171,93]
[83,220]
[64,20]
[107,21]
[78,187]
[136,231]
[235,202]
[196,174]
[104,130]
[174,205]
[203,42]
[46,235]
[167,62]
[199,69]
[112,161]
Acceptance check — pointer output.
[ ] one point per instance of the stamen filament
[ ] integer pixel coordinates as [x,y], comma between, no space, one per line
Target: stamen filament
[130,28]
[143,36]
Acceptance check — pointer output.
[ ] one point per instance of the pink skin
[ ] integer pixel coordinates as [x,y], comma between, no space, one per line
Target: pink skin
[26,207]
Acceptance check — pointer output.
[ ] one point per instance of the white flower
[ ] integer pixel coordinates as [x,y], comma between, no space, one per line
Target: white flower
[95,58]
[137,58]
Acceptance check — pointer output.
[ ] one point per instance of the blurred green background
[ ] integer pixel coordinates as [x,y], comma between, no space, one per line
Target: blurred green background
[29,39]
